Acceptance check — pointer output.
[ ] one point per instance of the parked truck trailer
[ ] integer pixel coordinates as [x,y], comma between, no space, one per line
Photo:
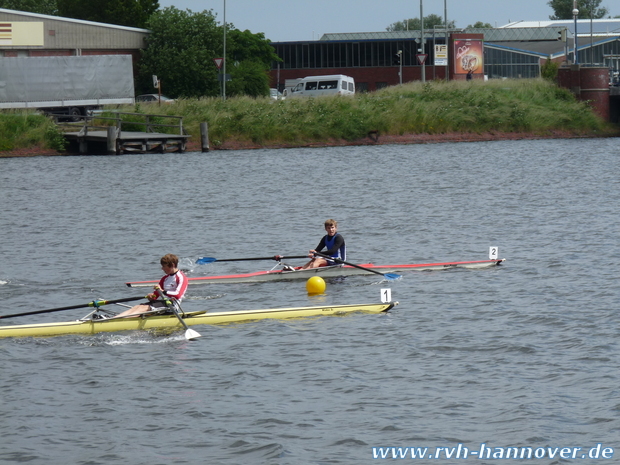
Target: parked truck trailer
[66,85]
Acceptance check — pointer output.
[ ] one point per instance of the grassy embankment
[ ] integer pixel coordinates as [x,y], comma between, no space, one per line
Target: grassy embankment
[510,106]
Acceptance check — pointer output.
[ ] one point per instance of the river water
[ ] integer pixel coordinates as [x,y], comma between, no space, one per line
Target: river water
[524,355]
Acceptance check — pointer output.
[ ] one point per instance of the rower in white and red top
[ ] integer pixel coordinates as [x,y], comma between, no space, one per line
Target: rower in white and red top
[172,285]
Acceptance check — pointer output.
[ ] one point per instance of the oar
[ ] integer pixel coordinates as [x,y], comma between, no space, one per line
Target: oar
[205,260]
[388,276]
[189,333]
[94,303]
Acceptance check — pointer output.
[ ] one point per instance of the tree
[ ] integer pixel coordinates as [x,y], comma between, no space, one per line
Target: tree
[248,78]
[181,49]
[563,9]
[250,57]
[413,24]
[480,25]
[132,13]
[44,7]
[180,52]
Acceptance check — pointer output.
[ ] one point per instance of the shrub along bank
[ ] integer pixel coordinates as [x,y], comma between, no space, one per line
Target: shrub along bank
[532,106]
[25,130]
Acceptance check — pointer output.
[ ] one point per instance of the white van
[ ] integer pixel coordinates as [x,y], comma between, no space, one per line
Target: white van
[313,86]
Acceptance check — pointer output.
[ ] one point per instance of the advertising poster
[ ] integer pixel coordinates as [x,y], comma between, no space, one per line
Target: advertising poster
[468,56]
[441,55]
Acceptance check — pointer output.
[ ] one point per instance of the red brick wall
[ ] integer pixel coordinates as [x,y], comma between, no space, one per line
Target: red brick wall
[588,84]
[50,53]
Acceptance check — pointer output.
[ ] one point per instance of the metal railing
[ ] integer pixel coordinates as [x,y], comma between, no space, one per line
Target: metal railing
[106,119]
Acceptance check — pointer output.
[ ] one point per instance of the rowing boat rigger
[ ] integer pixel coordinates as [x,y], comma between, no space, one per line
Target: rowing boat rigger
[327,272]
[93,326]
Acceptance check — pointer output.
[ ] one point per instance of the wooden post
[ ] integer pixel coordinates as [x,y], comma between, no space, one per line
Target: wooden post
[204,137]
[83,144]
[112,140]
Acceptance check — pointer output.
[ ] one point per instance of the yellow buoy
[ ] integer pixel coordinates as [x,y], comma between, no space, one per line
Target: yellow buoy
[315,285]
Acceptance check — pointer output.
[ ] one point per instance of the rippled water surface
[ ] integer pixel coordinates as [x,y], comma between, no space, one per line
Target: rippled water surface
[522,355]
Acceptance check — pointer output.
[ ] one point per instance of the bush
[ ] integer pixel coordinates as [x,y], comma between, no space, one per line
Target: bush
[549,70]
[22,130]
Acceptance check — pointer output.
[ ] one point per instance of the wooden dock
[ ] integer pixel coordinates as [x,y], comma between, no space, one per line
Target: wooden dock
[116,133]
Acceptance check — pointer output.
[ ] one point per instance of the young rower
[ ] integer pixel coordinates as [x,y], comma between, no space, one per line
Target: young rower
[333,241]
[173,284]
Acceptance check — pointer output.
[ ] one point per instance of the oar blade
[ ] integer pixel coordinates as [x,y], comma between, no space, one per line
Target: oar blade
[391,276]
[190,334]
[388,276]
[205,260]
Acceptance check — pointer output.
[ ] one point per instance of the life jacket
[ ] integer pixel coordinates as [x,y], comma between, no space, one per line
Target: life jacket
[342,251]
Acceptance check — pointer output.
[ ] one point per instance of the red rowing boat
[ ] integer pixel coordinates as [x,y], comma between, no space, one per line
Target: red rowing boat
[326,272]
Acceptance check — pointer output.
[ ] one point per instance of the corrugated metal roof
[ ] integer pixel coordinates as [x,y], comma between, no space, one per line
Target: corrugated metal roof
[540,48]
[599,26]
[490,35]
[545,48]
[518,34]
[71,20]
[387,35]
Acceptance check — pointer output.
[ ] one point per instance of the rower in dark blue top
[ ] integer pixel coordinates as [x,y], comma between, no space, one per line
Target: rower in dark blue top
[334,242]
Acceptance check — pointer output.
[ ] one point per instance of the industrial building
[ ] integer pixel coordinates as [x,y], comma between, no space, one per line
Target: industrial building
[24,34]
[517,50]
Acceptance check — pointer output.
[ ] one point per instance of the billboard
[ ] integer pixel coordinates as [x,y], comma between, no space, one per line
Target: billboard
[468,56]
[21,34]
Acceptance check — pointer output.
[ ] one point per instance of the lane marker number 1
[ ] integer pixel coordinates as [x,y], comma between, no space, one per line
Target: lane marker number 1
[493,253]
[386,295]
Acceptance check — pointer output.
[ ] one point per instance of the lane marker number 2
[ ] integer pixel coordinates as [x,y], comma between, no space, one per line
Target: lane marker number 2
[493,253]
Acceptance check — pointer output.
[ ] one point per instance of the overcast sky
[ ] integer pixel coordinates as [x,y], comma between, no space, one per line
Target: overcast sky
[290,20]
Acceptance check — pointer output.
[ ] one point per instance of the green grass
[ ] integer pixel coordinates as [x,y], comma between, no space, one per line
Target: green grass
[22,130]
[525,105]
[534,105]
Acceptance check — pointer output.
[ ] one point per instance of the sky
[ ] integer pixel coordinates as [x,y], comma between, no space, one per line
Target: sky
[292,20]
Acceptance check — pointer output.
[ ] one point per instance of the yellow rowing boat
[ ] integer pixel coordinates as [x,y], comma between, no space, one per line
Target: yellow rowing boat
[93,326]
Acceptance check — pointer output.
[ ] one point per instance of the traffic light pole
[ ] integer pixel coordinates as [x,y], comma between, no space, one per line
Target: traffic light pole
[398,60]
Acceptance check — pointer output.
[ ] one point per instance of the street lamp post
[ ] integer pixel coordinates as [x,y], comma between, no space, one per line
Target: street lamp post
[422,41]
[591,40]
[445,16]
[224,76]
[575,14]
